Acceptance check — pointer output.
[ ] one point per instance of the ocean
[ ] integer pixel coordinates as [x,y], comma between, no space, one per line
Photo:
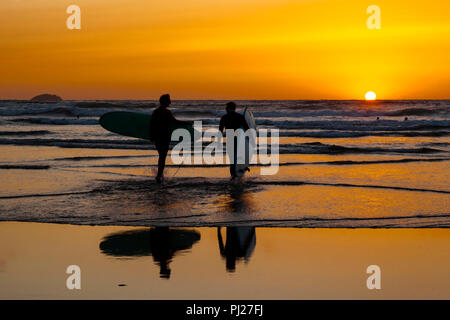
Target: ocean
[342,164]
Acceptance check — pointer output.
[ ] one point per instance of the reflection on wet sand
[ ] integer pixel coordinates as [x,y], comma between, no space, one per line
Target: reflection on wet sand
[238,199]
[316,263]
[161,242]
[240,241]
[175,199]
[240,244]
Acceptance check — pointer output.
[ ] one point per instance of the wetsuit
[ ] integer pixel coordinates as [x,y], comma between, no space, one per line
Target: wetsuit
[160,134]
[233,120]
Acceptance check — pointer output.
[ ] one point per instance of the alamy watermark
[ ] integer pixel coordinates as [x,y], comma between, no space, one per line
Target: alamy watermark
[74,280]
[74,20]
[374,280]
[374,20]
[252,147]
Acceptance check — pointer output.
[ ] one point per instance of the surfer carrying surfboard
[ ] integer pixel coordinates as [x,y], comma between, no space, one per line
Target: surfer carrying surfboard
[233,120]
[160,131]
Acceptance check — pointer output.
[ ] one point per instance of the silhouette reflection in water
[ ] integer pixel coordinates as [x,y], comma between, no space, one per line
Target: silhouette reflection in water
[160,242]
[240,241]
[238,200]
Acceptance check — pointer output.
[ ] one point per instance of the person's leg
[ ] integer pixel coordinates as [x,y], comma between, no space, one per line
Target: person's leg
[232,170]
[162,152]
[233,165]
[231,154]
[233,159]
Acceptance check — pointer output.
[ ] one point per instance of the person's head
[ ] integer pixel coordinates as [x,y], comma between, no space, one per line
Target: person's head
[164,100]
[231,106]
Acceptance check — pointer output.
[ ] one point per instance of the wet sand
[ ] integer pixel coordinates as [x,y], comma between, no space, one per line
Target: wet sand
[116,187]
[275,263]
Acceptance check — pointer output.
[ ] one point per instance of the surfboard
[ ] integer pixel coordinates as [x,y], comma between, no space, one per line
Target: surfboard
[243,159]
[135,124]
[247,240]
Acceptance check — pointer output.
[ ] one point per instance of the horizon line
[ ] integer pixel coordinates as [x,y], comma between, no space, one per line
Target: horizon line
[240,99]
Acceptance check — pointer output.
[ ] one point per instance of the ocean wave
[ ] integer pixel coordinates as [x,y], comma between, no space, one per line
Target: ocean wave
[28,108]
[283,164]
[436,144]
[93,158]
[359,126]
[349,113]
[57,121]
[321,148]
[261,109]
[329,128]
[60,111]
[210,185]
[414,221]
[25,167]
[82,143]
[198,221]
[195,113]
[416,112]
[356,134]
[102,105]
[140,144]
[146,193]
[40,195]
[206,166]
[25,133]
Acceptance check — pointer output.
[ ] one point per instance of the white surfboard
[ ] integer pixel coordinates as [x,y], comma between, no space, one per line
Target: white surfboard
[244,157]
[247,240]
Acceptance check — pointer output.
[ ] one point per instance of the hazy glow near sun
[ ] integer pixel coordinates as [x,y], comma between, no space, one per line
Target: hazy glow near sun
[371,95]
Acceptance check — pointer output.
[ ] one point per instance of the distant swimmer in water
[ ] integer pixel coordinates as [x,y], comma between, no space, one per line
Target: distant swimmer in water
[232,120]
[160,133]
[406,118]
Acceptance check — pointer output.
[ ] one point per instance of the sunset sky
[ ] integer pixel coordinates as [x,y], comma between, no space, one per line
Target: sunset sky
[233,49]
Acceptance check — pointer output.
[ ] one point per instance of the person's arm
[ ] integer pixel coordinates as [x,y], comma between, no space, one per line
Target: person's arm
[176,121]
[221,125]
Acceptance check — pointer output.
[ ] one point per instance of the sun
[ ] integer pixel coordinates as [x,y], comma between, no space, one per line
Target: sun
[371,95]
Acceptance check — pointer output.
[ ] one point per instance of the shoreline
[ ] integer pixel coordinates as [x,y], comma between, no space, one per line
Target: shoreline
[226,225]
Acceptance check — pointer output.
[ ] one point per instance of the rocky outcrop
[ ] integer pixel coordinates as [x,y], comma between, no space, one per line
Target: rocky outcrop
[46,98]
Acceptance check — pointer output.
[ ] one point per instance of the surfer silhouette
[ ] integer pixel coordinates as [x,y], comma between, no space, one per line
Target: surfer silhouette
[160,132]
[240,243]
[232,120]
[162,243]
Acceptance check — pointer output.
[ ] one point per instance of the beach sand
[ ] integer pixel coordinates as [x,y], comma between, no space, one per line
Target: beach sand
[285,263]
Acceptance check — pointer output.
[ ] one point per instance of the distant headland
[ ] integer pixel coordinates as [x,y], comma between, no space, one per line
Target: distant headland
[46,98]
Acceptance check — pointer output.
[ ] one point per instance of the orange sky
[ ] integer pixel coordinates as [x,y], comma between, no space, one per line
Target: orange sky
[233,49]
